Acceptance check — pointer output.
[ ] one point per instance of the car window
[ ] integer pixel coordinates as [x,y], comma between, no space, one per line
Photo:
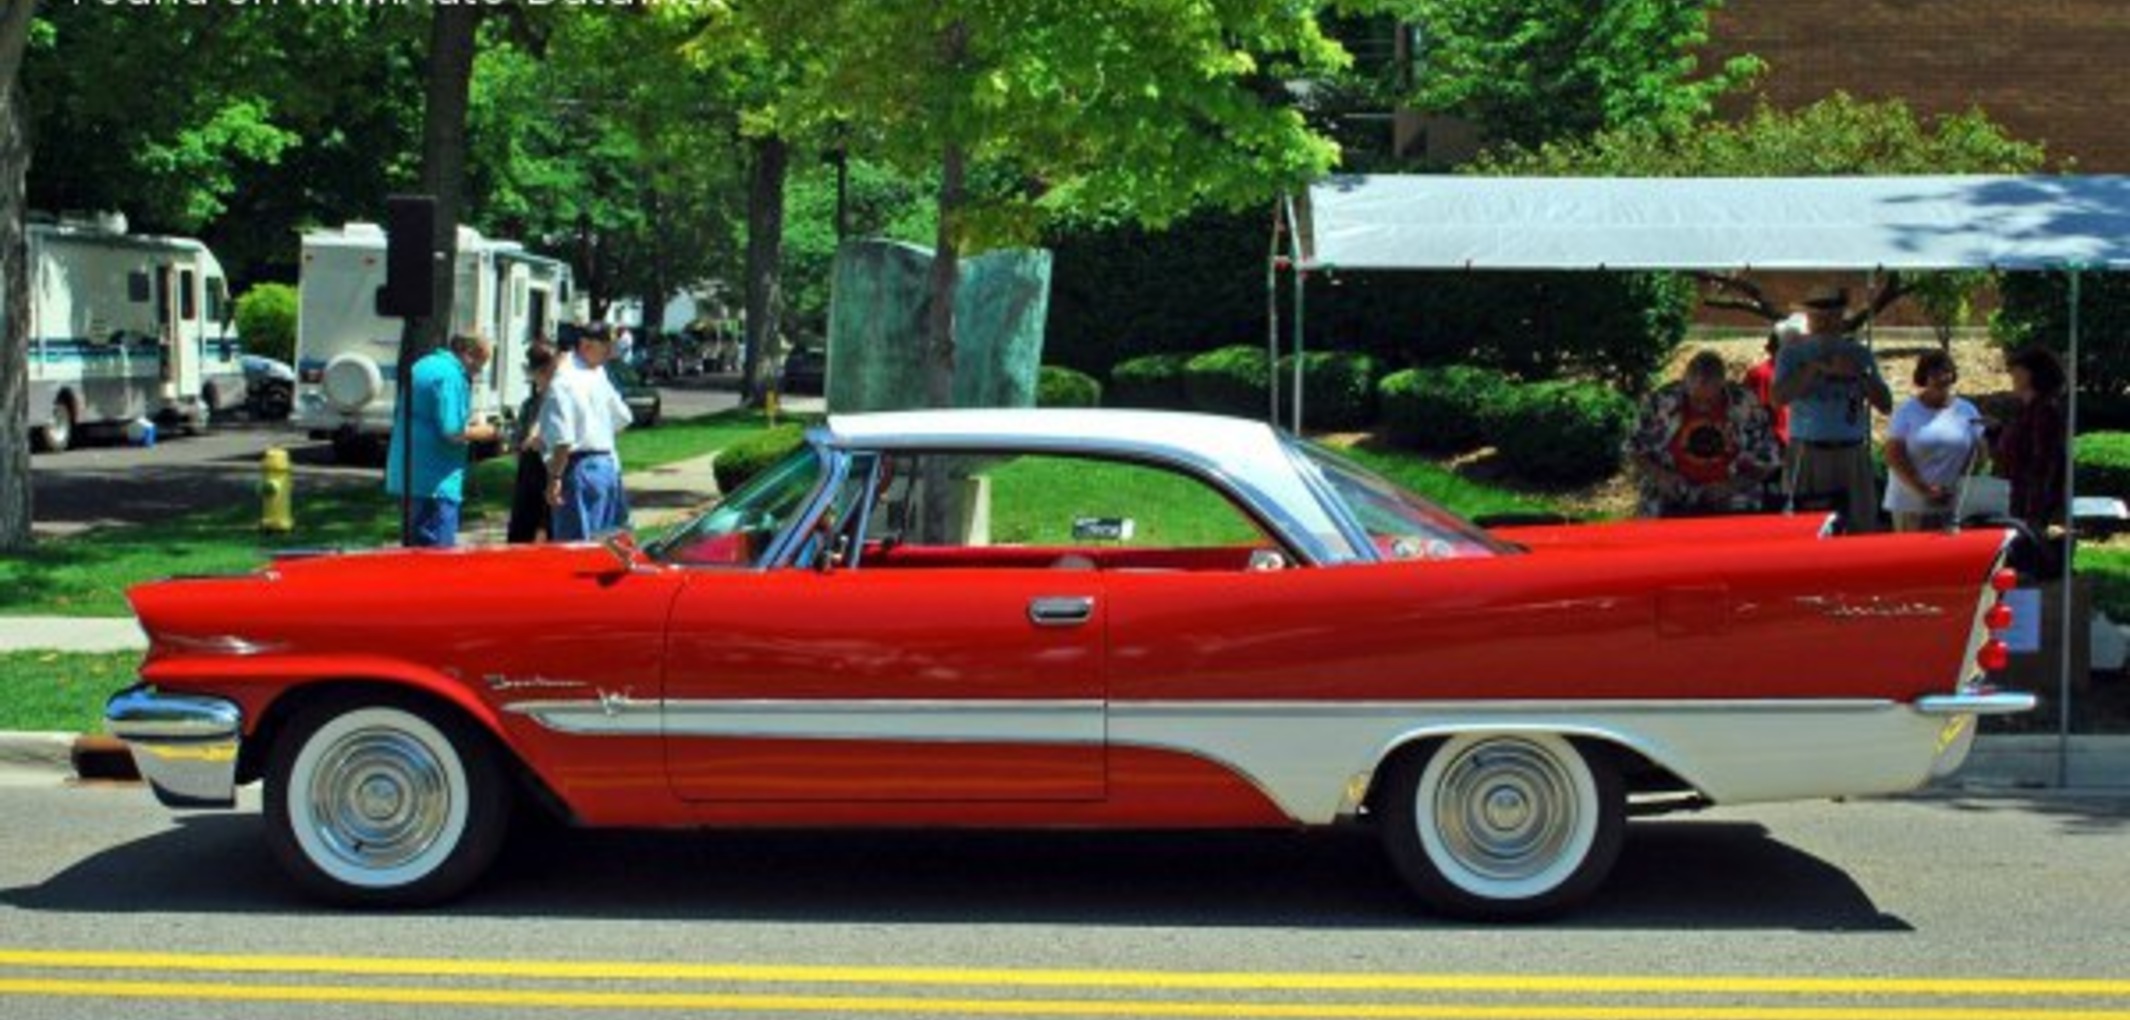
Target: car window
[740,530]
[1042,509]
[1400,525]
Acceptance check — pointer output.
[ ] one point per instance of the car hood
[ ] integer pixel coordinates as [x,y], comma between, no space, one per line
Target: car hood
[355,585]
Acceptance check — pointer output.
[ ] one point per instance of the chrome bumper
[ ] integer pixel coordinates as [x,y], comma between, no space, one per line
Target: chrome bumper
[185,745]
[1977,703]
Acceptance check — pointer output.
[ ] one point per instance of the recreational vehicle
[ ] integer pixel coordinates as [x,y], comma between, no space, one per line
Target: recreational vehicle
[347,356]
[125,326]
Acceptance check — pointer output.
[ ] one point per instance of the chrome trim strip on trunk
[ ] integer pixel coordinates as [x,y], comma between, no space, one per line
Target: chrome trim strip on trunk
[184,744]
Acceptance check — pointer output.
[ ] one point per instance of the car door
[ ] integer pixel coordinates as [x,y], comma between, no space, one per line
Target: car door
[943,673]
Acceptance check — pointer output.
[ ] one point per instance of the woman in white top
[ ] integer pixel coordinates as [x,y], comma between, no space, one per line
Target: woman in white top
[1934,440]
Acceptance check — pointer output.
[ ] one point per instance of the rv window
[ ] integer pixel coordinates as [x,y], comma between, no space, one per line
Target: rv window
[137,289]
[188,298]
[217,298]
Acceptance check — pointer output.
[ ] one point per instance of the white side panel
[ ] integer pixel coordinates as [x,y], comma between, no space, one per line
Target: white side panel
[1314,760]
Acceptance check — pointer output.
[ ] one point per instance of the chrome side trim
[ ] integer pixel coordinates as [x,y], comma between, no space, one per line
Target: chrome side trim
[1977,703]
[1069,721]
[185,745]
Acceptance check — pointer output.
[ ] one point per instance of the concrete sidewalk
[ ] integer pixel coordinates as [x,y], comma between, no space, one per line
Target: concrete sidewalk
[70,634]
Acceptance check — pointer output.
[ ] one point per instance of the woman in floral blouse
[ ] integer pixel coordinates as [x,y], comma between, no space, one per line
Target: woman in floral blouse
[1704,445]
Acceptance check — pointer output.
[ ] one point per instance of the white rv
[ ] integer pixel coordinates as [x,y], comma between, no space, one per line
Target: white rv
[125,326]
[347,355]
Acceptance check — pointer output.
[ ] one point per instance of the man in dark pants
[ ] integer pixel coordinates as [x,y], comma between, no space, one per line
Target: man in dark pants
[528,498]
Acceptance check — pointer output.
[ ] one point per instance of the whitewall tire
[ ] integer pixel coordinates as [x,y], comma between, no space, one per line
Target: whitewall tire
[1503,826]
[382,803]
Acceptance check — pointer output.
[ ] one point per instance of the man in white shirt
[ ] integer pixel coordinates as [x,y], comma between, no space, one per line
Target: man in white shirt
[578,423]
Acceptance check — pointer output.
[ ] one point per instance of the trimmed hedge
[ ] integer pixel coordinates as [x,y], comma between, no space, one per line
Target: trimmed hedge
[1231,380]
[743,460]
[1154,380]
[2104,464]
[266,320]
[1338,389]
[1064,387]
[1564,433]
[1444,410]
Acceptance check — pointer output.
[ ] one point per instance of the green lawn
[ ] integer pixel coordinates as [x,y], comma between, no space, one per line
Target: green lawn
[62,691]
[1034,501]
[86,575]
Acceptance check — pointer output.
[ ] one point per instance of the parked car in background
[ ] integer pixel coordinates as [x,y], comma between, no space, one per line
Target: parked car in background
[269,387]
[805,371]
[1072,618]
[645,402]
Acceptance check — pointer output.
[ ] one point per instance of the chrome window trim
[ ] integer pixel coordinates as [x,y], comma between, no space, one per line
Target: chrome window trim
[836,461]
[1264,511]
[1341,514]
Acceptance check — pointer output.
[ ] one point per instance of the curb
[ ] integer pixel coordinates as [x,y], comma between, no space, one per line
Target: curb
[96,756]
[61,757]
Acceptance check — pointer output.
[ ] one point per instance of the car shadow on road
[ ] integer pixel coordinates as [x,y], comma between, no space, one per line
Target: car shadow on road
[1673,875]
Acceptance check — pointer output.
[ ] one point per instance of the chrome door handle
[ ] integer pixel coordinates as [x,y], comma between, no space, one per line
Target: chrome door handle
[1061,610]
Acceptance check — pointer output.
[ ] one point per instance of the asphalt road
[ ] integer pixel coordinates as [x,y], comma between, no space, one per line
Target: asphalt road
[1912,909]
[104,481]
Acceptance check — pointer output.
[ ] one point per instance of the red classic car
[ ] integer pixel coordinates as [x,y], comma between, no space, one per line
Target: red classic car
[1071,618]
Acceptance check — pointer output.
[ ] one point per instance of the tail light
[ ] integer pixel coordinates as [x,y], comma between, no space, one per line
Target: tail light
[1994,655]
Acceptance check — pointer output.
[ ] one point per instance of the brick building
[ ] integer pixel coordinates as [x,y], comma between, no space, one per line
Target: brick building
[2047,70]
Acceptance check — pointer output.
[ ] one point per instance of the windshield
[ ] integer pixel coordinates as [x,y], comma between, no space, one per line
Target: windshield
[1400,525]
[739,531]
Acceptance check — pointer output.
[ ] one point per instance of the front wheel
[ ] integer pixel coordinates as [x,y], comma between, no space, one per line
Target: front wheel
[384,803]
[1503,826]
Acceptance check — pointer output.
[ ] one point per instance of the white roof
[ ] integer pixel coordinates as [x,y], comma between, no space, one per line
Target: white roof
[1444,222]
[1248,455]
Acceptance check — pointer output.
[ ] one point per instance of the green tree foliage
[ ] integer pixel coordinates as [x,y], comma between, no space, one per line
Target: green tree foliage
[266,319]
[1837,136]
[2036,309]
[1532,71]
[1137,110]
[598,140]
[225,121]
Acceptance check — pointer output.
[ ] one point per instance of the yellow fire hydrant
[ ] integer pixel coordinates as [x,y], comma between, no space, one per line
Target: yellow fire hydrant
[276,492]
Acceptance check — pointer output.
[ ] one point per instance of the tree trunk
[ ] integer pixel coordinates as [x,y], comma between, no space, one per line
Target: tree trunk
[15,506]
[451,52]
[946,277]
[765,256]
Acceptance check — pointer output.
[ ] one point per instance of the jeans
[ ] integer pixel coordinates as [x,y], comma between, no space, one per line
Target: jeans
[436,524]
[592,501]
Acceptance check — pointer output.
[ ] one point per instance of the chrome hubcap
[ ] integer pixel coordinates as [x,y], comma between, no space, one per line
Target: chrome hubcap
[379,798]
[1506,810]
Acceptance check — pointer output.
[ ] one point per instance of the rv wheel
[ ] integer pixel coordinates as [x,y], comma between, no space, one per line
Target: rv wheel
[58,434]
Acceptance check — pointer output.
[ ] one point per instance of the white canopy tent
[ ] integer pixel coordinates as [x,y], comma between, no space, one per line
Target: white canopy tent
[1874,224]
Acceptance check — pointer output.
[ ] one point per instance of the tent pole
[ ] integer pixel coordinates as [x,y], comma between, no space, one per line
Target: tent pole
[2070,546]
[1272,308]
[1301,284]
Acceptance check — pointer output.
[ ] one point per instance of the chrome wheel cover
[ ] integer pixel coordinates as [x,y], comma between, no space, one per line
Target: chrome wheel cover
[378,799]
[1507,817]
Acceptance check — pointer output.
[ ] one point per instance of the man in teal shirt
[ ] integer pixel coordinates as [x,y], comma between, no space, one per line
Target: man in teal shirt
[1830,382]
[443,424]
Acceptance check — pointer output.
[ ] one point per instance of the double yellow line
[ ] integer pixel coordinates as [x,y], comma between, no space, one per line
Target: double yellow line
[2056,999]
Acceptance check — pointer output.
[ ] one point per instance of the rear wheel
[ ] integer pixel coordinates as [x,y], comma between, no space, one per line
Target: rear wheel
[58,434]
[384,803]
[1504,826]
